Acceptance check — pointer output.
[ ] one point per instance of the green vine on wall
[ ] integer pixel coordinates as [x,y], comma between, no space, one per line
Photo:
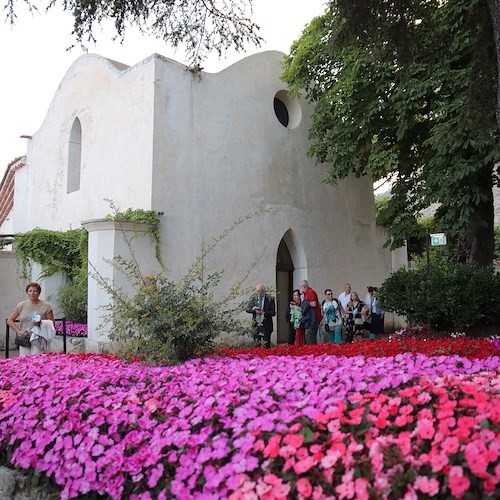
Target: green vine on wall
[54,250]
[151,217]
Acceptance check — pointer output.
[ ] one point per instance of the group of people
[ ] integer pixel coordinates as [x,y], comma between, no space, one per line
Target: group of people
[359,316]
[335,319]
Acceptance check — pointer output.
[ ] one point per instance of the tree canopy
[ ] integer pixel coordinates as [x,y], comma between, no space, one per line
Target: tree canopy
[200,26]
[407,89]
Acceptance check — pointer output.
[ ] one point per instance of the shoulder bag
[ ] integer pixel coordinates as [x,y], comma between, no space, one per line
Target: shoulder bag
[22,341]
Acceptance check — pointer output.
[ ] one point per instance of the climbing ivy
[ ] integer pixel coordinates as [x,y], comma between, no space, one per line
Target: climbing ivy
[141,215]
[54,250]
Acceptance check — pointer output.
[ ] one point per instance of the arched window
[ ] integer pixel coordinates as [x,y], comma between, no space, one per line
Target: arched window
[74,156]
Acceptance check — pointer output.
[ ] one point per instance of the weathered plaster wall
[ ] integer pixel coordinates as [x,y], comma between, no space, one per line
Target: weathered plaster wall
[11,292]
[114,105]
[220,152]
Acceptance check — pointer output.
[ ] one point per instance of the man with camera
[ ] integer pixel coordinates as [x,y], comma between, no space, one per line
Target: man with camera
[263,309]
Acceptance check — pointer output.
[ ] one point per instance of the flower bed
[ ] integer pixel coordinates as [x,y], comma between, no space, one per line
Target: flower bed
[72,329]
[305,426]
[471,348]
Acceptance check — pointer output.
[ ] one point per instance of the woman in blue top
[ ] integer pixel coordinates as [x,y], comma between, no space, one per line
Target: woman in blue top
[332,312]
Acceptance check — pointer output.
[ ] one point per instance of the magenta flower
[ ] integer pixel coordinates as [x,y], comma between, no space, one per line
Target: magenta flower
[243,427]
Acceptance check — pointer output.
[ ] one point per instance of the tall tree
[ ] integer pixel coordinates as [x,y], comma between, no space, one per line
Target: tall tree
[405,89]
[201,25]
[494,6]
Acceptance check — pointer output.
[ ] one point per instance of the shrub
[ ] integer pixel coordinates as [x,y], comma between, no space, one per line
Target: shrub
[453,296]
[72,299]
[171,321]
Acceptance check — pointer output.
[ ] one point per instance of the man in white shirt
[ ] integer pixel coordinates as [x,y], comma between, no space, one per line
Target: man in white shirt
[345,296]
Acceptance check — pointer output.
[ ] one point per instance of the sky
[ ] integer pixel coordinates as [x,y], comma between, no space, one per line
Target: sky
[34,57]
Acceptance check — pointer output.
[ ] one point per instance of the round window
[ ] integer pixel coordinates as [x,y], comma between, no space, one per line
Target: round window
[287,109]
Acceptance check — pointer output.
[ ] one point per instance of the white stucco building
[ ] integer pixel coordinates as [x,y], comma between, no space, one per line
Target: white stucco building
[202,149]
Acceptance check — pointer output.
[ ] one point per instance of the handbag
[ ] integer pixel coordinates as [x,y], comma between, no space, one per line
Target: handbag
[22,341]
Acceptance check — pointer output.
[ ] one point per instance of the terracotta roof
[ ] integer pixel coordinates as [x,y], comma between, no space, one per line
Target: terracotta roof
[7,187]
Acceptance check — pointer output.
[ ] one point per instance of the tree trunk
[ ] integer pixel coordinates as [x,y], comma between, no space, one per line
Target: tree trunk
[494,7]
[477,243]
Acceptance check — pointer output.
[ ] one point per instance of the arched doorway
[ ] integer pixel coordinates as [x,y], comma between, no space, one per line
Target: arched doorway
[284,287]
[291,267]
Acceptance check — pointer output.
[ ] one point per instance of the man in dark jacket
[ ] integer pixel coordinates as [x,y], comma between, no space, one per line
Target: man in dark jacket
[262,308]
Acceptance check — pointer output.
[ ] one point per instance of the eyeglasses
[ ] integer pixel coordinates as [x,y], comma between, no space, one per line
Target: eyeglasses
[328,293]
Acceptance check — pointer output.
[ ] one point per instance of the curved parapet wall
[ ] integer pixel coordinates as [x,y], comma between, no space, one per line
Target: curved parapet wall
[114,106]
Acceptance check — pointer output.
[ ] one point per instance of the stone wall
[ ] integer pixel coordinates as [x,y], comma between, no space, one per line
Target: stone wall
[15,485]
[11,292]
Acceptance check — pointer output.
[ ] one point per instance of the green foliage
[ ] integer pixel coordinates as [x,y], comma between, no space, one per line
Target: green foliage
[173,321]
[412,229]
[72,298]
[55,251]
[451,296]
[405,90]
[381,203]
[141,215]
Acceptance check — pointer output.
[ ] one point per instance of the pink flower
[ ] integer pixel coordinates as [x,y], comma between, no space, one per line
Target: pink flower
[330,459]
[294,440]
[304,465]
[427,486]
[304,487]
[458,484]
[439,461]
[151,404]
[410,494]
[346,489]
[272,449]
[425,428]
[450,445]
[423,398]
[476,459]
[401,420]
[406,410]
[361,488]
